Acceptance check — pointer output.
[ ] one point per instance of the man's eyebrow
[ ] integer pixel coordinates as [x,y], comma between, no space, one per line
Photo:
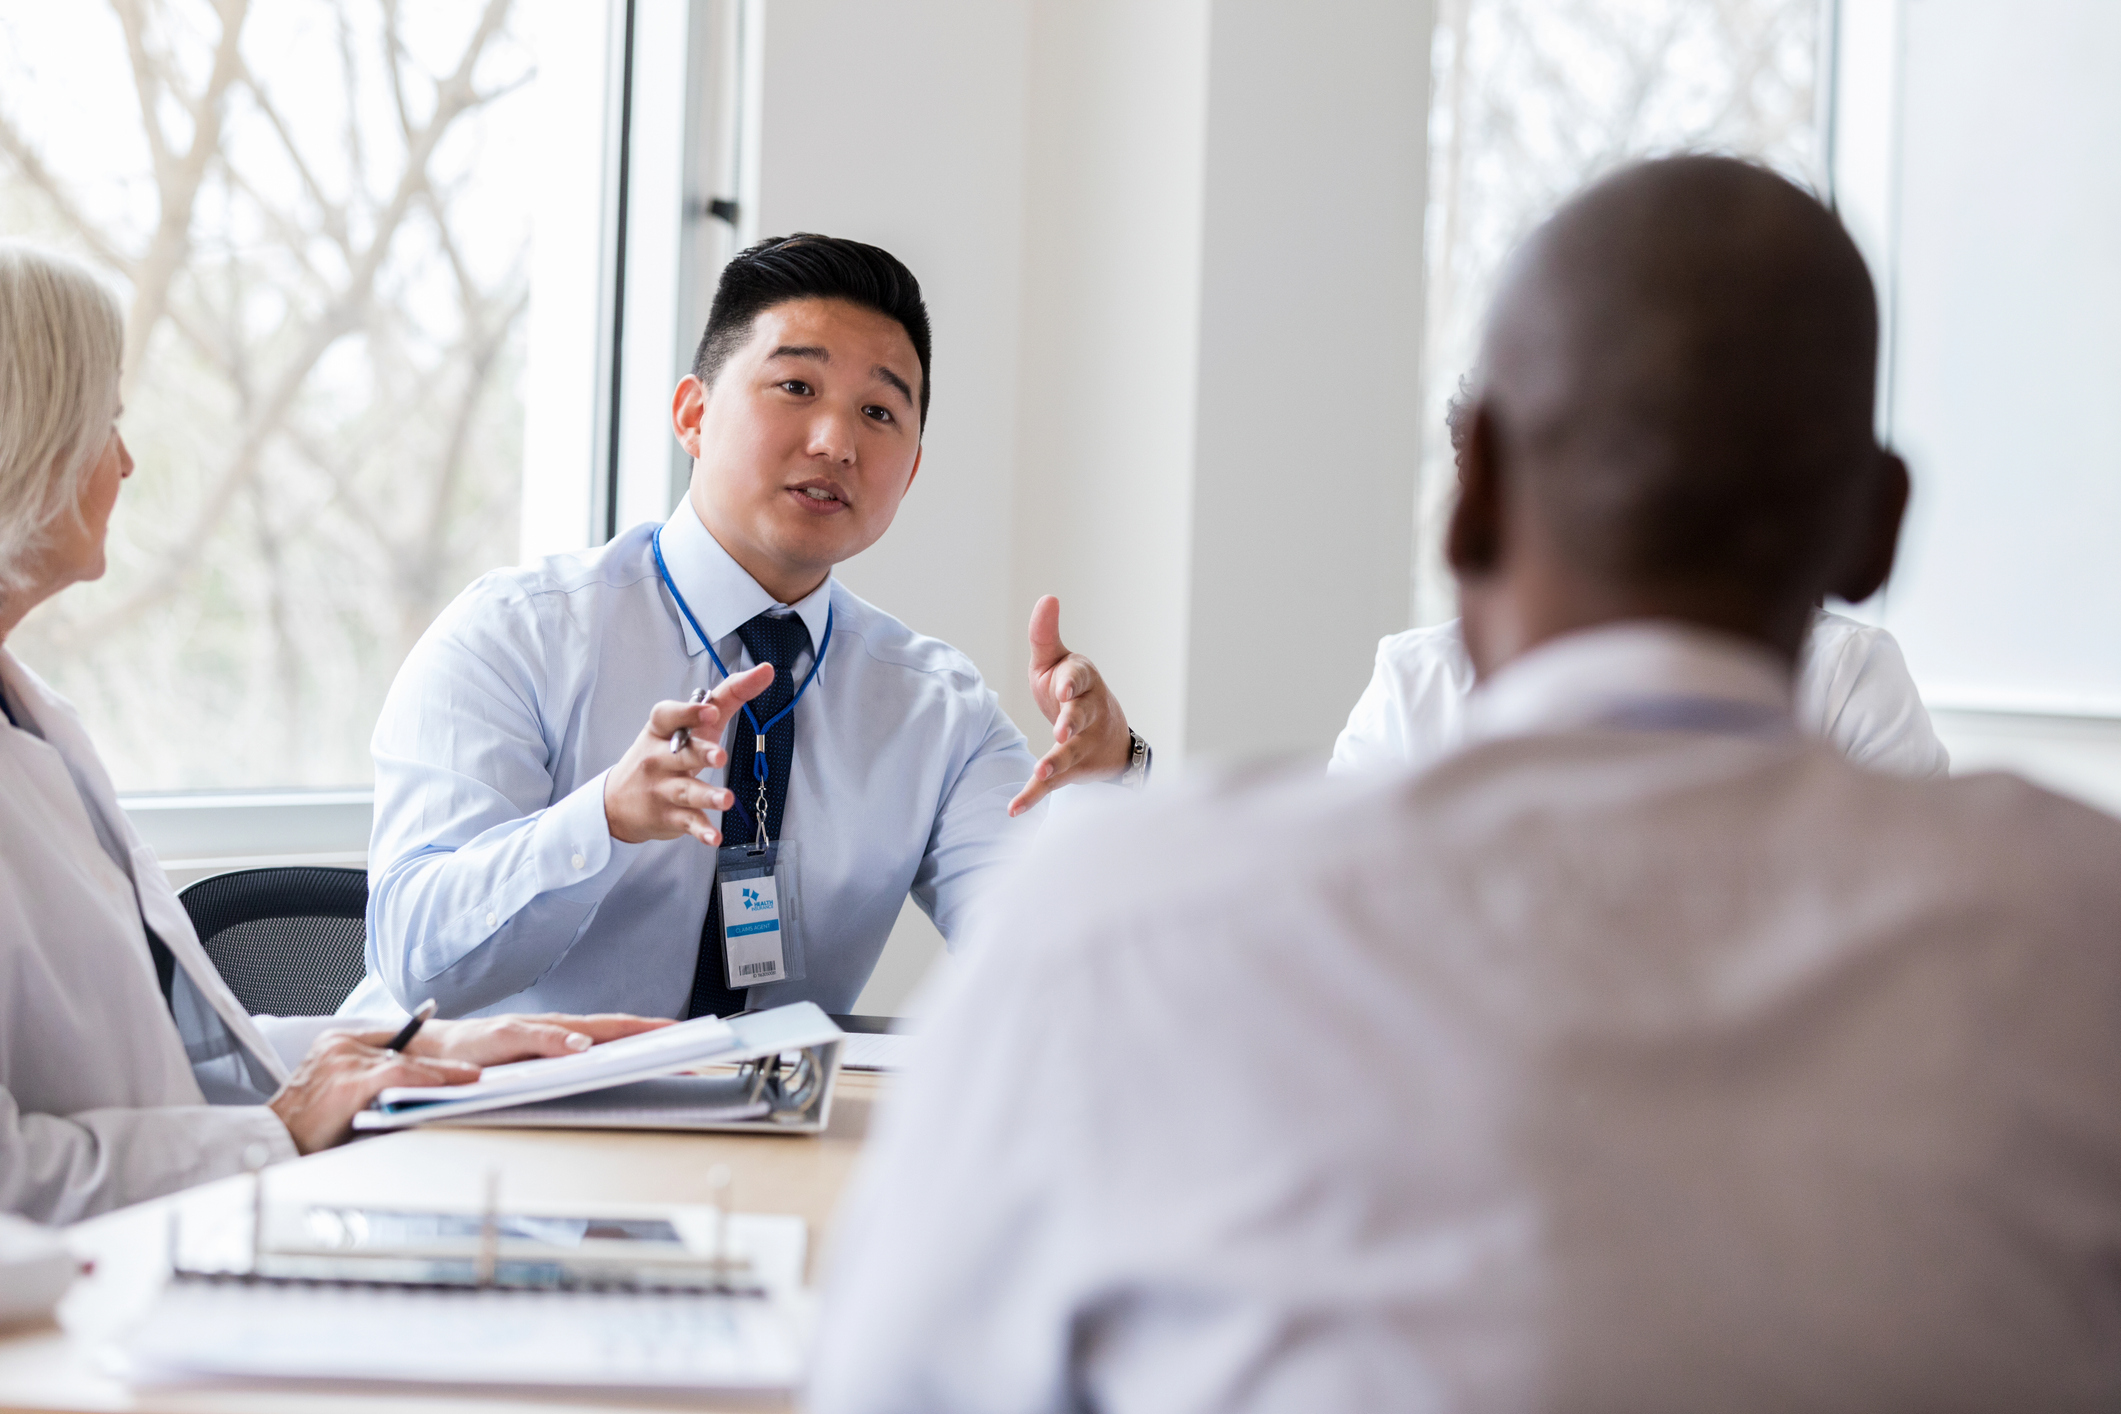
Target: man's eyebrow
[816,351]
[895,381]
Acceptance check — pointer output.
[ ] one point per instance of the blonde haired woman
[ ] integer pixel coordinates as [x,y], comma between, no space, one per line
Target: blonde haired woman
[127,1068]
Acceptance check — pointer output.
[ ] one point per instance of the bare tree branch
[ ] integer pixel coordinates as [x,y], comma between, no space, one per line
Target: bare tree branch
[330,211]
[394,61]
[344,314]
[149,82]
[31,166]
[293,238]
[179,183]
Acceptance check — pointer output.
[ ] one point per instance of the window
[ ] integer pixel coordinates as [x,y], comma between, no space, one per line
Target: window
[1531,99]
[319,213]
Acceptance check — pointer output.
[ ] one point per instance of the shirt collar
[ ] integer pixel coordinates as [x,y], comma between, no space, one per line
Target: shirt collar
[720,592]
[1582,679]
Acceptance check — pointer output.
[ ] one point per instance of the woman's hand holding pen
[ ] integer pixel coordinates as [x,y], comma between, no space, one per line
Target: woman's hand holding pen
[342,1073]
[654,792]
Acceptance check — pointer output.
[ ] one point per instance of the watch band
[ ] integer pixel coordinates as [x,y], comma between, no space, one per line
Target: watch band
[1136,773]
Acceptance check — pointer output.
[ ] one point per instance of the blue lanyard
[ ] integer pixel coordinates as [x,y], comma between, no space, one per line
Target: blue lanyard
[758,756]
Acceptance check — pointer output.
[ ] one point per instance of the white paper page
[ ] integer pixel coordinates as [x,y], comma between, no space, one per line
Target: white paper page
[875,1051]
[502,1338]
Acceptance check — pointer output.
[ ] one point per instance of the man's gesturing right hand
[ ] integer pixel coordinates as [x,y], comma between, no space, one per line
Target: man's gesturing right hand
[654,793]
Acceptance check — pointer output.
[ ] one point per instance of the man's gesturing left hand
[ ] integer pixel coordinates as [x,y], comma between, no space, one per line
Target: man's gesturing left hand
[1090,738]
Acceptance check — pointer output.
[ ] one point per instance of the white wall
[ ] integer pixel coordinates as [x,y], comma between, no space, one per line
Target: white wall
[2007,382]
[1110,335]
[1307,449]
[1973,161]
[1222,323]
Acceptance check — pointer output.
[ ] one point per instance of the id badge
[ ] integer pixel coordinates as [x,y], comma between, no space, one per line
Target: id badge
[760,939]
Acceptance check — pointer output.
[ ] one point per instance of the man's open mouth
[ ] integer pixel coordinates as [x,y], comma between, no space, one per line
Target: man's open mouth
[820,493]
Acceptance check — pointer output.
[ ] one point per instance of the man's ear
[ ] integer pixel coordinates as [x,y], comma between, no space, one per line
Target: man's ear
[918,453]
[688,405]
[1472,543]
[1877,539]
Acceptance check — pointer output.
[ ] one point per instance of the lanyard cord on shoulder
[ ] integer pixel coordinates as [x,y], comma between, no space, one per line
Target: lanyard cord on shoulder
[1690,712]
[759,768]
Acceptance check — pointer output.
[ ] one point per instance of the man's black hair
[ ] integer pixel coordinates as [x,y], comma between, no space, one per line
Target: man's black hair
[810,266]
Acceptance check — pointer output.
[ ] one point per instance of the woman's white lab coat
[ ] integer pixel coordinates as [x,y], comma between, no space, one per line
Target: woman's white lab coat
[104,1095]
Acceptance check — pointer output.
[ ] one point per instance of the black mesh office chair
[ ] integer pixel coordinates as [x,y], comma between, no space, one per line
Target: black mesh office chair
[289,941]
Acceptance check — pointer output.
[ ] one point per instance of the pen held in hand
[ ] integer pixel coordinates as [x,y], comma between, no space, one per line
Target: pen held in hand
[682,737]
[411,1028]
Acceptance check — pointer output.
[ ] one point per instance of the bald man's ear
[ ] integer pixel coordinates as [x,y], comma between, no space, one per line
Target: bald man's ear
[1877,540]
[1472,544]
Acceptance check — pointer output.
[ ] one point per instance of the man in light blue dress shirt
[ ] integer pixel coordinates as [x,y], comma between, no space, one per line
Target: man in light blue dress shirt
[545,840]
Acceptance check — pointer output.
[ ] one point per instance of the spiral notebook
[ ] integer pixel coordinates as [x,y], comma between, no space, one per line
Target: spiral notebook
[237,1327]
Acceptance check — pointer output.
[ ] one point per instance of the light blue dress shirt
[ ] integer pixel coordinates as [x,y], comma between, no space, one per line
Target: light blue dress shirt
[494,883]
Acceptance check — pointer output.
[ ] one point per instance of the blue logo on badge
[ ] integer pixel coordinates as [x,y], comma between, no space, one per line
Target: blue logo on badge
[754,903]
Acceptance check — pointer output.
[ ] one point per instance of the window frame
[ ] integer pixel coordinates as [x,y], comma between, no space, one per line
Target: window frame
[674,207]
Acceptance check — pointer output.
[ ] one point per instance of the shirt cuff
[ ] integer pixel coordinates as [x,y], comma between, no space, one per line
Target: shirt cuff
[574,843]
[292,1036]
[268,1132]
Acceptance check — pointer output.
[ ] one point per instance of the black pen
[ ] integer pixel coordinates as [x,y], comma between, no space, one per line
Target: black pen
[411,1028]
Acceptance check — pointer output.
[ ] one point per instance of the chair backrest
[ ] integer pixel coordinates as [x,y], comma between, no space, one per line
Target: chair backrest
[289,941]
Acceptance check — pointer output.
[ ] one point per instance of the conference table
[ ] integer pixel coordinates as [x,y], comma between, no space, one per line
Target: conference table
[49,1367]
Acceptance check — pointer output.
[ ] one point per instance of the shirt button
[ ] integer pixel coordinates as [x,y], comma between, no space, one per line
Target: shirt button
[578,860]
[492,918]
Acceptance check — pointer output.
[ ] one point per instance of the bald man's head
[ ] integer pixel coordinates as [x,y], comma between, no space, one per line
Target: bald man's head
[1676,395]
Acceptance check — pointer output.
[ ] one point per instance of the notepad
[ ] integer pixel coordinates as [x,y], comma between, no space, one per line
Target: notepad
[491,1337]
[237,1329]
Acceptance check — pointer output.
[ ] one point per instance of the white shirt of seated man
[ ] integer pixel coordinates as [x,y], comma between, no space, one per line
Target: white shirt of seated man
[1853,691]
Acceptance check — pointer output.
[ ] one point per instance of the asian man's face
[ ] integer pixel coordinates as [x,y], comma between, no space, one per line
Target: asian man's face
[807,441]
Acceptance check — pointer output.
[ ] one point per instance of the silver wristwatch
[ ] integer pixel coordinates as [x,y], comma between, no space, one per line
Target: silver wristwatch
[1136,774]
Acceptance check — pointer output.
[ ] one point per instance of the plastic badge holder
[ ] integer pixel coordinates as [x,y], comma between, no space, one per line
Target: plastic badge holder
[748,929]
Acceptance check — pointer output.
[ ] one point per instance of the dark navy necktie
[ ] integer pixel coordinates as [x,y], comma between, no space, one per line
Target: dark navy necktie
[779,641]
